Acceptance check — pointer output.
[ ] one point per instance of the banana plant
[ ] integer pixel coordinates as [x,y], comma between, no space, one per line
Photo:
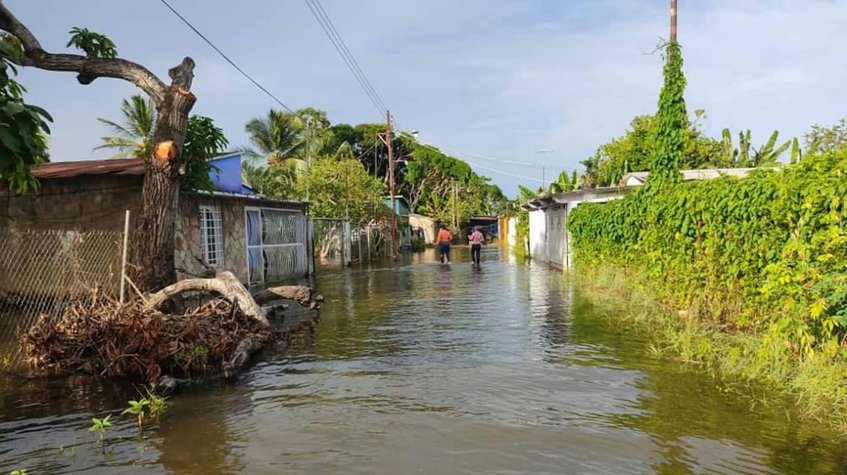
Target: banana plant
[744,155]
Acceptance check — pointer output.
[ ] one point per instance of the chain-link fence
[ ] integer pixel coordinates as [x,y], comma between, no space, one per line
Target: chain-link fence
[42,271]
[340,242]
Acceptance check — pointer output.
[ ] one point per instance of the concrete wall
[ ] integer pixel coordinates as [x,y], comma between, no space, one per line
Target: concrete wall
[537,235]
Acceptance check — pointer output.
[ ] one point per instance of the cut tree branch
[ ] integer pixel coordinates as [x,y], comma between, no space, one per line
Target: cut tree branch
[87,68]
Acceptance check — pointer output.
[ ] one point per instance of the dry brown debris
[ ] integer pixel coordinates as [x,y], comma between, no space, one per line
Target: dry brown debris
[101,336]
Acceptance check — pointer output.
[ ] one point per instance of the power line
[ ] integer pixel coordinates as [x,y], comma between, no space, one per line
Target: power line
[224,56]
[522,177]
[341,47]
[349,54]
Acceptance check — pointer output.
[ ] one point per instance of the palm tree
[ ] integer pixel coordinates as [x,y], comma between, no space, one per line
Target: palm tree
[279,138]
[135,137]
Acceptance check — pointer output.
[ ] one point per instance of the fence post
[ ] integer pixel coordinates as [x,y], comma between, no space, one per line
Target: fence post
[123,258]
[346,245]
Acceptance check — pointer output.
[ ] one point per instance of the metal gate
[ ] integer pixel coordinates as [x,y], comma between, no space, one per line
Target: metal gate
[276,245]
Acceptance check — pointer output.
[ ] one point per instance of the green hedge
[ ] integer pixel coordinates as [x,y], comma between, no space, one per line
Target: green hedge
[766,253]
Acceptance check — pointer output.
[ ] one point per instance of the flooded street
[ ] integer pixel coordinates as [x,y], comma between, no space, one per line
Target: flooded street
[424,368]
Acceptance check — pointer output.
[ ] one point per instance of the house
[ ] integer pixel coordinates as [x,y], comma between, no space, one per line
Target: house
[549,239]
[261,240]
[423,227]
[402,214]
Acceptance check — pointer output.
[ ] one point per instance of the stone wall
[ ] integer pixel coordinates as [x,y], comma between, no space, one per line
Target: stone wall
[189,253]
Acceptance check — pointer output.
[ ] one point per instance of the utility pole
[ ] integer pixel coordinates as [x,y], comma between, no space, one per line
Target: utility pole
[308,168]
[391,184]
[543,177]
[673,21]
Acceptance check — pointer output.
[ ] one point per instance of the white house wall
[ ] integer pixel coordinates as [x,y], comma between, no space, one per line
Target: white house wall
[537,235]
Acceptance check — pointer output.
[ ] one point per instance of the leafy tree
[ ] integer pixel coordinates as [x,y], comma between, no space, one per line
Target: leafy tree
[277,137]
[342,188]
[23,127]
[152,250]
[671,121]
[824,139]
[203,141]
[565,182]
[133,138]
[745,156]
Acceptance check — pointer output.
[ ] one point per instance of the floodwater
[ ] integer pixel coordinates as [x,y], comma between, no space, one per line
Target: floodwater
[424,368]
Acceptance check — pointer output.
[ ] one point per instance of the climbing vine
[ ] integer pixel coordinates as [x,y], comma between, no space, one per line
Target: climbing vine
[672,121]
[766,253]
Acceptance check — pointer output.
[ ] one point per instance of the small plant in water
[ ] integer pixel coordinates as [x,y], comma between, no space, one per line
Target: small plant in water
[18,472]
[158,404]
[100,426]
[67,452]
[137,409]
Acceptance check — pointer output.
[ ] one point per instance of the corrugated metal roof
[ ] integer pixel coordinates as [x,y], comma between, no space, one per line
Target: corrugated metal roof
[115,166]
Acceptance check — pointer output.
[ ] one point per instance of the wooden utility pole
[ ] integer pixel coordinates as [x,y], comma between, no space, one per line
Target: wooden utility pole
[673,21]
[391,183]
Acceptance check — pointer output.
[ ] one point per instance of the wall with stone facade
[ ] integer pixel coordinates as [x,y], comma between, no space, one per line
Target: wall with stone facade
[189,253]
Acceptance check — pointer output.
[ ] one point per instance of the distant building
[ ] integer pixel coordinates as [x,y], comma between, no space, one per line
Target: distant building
[639,178]
[402,212]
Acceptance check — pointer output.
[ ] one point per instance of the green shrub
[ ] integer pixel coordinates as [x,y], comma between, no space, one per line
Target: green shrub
[765,254]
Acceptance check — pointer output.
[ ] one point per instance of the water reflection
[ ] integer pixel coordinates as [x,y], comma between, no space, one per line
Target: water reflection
[418,366]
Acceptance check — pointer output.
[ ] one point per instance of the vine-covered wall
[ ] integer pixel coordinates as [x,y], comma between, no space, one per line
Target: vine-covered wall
[766,253]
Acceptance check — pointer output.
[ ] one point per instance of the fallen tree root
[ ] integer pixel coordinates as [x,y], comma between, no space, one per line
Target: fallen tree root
[224,284]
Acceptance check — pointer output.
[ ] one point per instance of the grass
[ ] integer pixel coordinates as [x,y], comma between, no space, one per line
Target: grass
[817,382]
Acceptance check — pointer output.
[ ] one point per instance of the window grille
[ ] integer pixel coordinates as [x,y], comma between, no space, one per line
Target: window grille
[211,235]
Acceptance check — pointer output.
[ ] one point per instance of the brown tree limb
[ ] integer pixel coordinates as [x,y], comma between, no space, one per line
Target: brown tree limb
[299,293]
[225,284]
[88,68]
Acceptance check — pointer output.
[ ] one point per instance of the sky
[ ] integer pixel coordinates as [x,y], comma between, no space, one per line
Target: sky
[540,82]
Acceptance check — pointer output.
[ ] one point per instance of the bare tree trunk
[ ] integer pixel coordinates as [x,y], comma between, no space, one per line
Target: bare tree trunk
[152,252]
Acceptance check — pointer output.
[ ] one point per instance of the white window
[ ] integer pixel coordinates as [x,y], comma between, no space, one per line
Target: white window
[211,235]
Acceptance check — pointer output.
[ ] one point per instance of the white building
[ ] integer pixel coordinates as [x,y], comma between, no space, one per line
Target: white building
[549,240]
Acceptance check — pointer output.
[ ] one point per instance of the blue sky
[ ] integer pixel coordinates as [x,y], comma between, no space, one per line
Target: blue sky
[497,78]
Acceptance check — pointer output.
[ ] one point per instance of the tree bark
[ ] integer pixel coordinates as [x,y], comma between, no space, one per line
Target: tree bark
[225,284]
[299,293]
[152,251]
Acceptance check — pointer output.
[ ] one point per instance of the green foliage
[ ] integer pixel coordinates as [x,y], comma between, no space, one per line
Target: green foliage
[826,139]
[203,141]
[342,188]
[23,127]
[137,409]
[744,156]
[632,152]
[134,137]
[672,122]
[18,472]
[100,426]
[764,254]
[95,45]
[565,182]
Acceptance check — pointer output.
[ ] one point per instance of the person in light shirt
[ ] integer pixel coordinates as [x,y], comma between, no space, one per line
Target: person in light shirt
[476,239]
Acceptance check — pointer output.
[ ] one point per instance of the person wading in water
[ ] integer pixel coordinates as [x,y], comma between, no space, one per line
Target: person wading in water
[442,241]
[476,239]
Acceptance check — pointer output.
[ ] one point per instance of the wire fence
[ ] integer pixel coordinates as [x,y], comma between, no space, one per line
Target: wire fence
[340,242]
[43,271]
